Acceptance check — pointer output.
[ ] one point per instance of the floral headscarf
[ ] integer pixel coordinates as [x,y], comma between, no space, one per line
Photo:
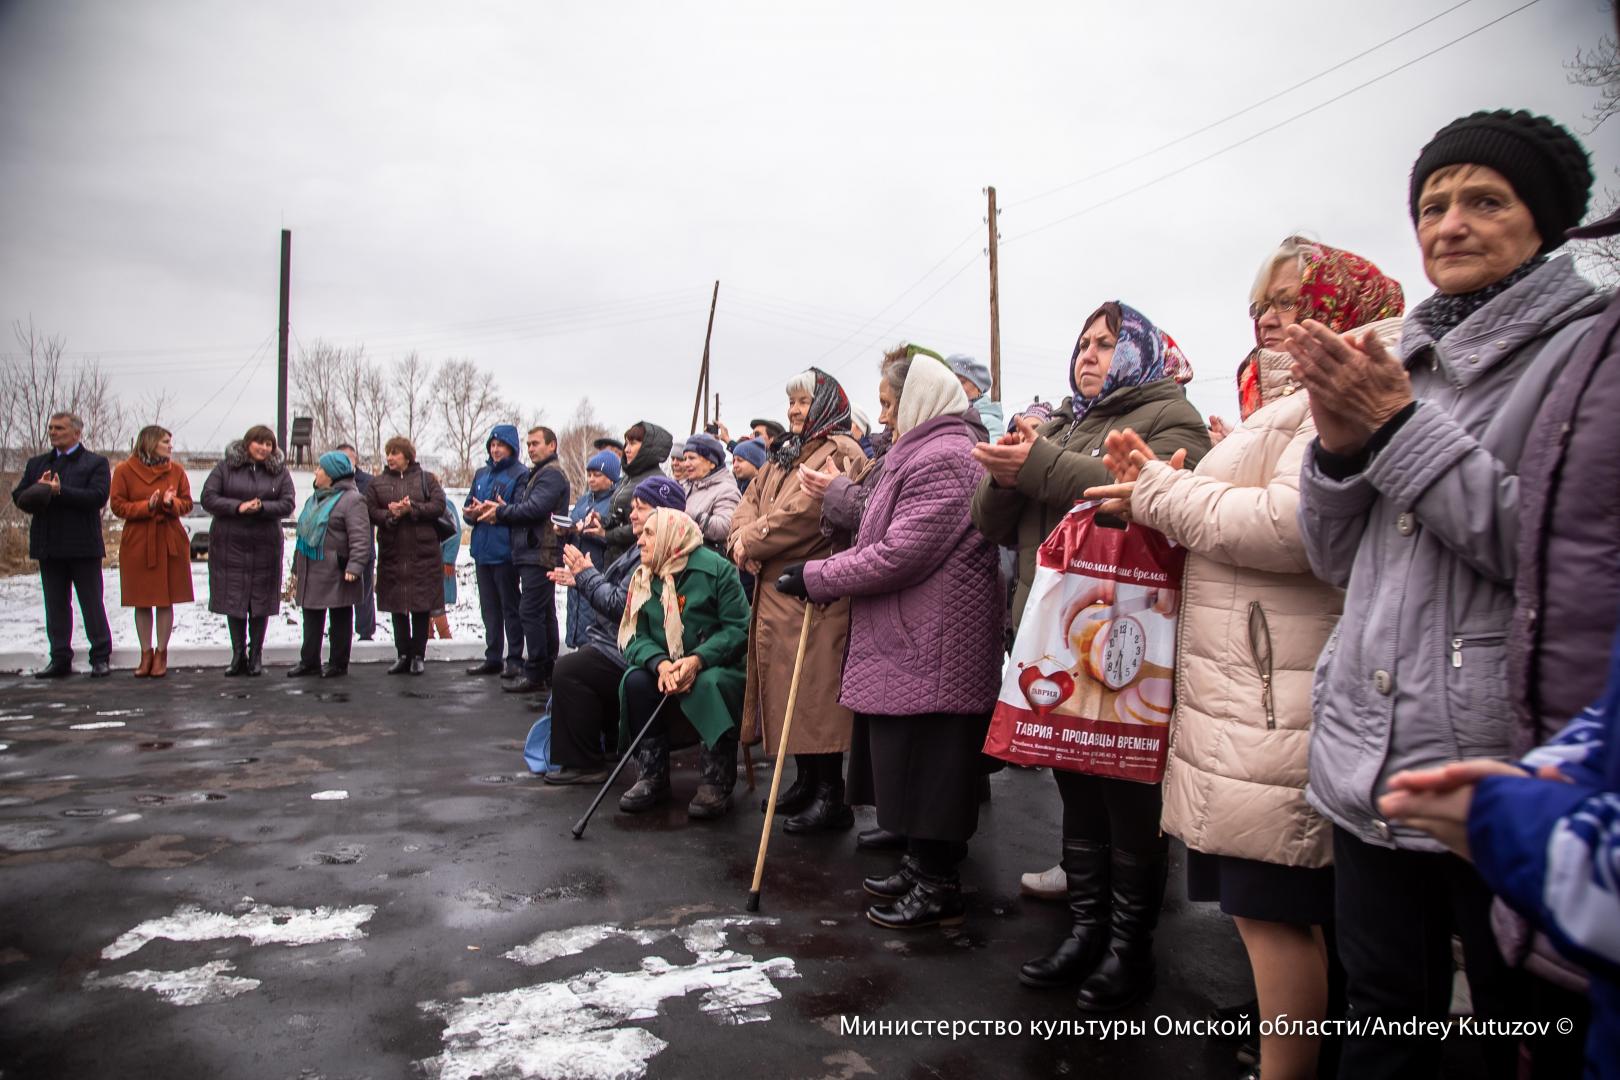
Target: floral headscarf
[675,536]
[1339,289]
[829,415]
[1140,356]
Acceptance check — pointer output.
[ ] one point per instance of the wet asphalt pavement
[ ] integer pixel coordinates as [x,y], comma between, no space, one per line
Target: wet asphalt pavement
[198,809]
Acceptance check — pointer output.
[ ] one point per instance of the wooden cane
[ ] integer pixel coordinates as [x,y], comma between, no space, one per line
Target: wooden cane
[781,756]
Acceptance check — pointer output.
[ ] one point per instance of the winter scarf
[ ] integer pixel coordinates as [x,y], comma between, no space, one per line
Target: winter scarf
[312,523]
[1440,314]
[675,536]
[1139,359]
[931,390]
[828,415]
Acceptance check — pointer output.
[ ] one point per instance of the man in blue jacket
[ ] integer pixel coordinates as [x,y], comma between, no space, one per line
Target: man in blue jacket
[64,490]
[498,597]
[542,493]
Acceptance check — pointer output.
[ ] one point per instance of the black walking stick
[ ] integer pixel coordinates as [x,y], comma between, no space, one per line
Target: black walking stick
[579,826]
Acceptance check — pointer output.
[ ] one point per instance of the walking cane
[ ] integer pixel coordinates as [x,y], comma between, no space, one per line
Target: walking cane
[781,756]
[579,826]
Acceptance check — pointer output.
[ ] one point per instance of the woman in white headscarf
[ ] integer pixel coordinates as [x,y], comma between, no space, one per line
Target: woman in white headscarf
[924,660]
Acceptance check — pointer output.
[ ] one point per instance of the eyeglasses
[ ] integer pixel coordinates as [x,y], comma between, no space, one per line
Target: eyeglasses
[1284,304]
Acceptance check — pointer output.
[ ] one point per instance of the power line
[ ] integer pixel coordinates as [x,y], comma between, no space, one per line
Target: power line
[240,390]
[210,400]
[1241,112]
[1264,131]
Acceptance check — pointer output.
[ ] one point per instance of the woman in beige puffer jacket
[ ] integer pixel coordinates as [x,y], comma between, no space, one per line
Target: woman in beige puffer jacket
[1253,621]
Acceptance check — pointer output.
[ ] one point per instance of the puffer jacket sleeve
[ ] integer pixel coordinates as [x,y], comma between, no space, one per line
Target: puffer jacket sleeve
[1332,518]
[281,507]
[1252,527]
[607,591]
[214,499]
[357,526]
[1455,488]
[717,521]
[930,518]
[842,504]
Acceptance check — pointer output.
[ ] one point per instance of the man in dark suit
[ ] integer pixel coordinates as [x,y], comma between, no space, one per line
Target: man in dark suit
[64,490]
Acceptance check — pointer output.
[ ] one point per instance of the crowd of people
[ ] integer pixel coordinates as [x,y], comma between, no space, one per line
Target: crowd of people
[1396,680]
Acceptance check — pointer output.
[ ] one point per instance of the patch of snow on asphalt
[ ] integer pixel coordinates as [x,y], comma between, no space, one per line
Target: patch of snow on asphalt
[96,725]
[194,986]
[260,924]
[571,1029]
[330,796]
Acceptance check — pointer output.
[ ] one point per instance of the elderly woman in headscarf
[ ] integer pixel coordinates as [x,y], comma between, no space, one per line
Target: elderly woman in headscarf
[684,634]
[330,556]
[1113,866]
[777,525]
[1253,621]
[924,660]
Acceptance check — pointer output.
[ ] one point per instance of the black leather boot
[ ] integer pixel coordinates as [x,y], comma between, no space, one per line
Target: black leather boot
[1085,867]
[718,768]
[255,660]
[1125,975]
[896,884]
[932,901]
[652,758]
[879,839]
[303,668]
[401,666]
[827,812]
[238,664]
[797,795]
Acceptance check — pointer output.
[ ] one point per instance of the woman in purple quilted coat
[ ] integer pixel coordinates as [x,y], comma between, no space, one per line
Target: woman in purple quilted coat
[924,660]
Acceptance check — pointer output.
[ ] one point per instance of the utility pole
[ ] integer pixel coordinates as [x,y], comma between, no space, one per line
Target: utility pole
[281,343]
[702,399]
[716,408]
[995,306]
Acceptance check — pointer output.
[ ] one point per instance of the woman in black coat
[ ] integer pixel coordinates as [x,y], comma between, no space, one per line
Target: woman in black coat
[404,501]
[248,494]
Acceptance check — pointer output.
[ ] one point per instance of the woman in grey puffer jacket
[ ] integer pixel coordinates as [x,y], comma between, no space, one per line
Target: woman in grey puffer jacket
[1410,500]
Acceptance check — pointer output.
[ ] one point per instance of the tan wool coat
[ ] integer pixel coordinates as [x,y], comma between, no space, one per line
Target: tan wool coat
[778,524]
[1240,741]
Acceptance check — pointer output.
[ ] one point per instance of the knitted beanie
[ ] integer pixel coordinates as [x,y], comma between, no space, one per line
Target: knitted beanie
[752,451]
[1547,166]
[605,462]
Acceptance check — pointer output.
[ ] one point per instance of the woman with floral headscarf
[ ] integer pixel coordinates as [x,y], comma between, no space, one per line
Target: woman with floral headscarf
[683,633]
[778,524]
[1113,868]
[1253,621]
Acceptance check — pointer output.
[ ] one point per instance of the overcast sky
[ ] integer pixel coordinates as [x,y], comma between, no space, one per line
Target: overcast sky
[552,189]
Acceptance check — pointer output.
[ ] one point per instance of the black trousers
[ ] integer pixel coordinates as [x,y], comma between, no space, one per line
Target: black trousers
[1120,813]
[641,697]
[60,579]
[1396,912]
[537,609]
[498,601]
[365,612]
[411,632]
[584,709]
[247,632]
[315,620]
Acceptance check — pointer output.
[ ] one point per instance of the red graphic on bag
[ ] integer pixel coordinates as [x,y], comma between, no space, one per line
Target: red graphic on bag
[1092,681]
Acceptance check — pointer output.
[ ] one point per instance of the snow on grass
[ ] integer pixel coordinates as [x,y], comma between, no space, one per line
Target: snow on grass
[260,924]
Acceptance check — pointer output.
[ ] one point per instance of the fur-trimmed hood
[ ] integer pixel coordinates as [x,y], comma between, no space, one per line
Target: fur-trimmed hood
[236,456]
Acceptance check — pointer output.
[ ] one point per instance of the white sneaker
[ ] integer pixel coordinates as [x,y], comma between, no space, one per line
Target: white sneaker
[1050,884]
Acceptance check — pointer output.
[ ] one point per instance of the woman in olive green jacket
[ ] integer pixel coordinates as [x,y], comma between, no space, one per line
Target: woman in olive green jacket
[1113,866]
[685,634]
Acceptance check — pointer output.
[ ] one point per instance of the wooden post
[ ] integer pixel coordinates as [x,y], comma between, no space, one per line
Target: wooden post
[702,399]
[717,407]
[995,308]
[281,343]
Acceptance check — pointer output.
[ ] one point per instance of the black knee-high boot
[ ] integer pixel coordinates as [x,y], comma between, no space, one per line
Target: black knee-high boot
[827,811]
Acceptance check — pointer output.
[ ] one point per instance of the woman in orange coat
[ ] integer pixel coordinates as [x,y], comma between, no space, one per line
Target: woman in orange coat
[151,493]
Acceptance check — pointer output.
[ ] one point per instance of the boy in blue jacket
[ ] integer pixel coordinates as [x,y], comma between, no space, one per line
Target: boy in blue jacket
[492,554]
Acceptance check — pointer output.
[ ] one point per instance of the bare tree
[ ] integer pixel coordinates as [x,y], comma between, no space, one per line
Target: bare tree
[106,420]
[1599,69]
[351,381]
[33,386]
[376,400]
[574,443]
[466,401]
[413,401]
[315,385]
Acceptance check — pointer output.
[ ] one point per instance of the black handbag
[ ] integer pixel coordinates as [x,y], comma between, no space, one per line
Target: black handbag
[444,526]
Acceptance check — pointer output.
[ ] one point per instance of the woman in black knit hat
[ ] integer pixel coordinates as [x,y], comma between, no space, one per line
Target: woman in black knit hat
[1410,500]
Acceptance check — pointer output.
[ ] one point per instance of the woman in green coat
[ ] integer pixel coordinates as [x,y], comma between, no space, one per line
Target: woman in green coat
[684,634]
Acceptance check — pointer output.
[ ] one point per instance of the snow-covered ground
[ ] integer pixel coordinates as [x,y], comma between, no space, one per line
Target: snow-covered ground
[202,634]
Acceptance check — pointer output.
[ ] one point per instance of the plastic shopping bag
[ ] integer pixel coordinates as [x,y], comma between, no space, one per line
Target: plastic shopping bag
[1090,685]
[537,747]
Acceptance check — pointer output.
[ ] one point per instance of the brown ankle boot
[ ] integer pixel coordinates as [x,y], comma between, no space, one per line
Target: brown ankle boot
[144,668]
[160,663]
